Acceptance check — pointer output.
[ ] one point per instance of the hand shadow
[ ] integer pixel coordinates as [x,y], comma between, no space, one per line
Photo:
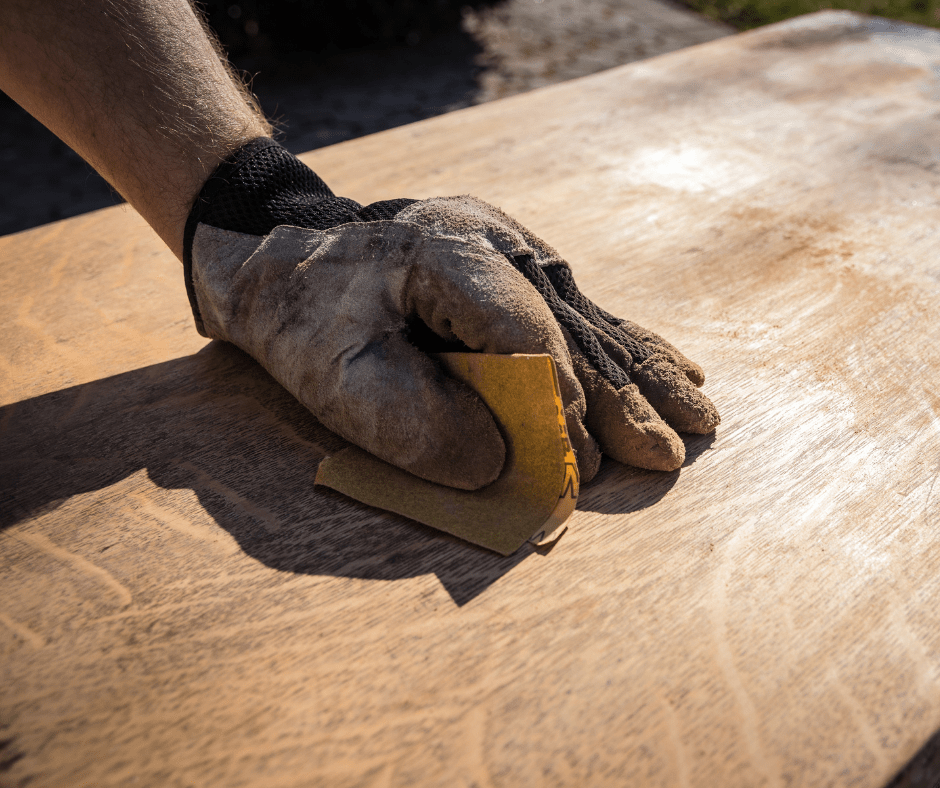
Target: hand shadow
[621,489]
[923,770]
[217,424]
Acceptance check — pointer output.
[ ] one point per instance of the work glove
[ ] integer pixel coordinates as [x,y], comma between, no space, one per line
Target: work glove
[345,305]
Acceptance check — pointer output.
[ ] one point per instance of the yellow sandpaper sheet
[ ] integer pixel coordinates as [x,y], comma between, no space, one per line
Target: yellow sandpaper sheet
[535,493]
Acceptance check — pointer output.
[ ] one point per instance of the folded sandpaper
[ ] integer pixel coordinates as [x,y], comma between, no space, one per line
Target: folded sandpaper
[537,489]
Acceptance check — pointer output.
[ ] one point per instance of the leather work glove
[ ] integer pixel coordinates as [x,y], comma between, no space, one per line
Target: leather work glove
[342,304]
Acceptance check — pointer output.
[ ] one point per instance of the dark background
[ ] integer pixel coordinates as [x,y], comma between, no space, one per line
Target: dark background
[330,70]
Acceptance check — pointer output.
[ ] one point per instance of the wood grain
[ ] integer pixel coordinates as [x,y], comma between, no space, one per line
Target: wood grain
[179,606]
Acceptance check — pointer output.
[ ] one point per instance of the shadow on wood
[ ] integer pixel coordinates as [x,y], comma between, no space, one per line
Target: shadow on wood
[216,423]
[923,770]
[621,489]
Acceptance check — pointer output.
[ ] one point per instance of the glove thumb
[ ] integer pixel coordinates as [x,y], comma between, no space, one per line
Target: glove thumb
[397,403]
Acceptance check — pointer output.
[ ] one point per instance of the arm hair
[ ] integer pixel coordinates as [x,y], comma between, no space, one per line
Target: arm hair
[140,88]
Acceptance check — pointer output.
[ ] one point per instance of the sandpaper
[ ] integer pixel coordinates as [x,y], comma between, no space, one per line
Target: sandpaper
[537,489]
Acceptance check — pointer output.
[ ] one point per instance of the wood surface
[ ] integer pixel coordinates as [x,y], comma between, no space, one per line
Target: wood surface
[180,607]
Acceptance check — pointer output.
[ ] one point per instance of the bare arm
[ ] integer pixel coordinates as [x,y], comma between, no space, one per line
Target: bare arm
[137,87]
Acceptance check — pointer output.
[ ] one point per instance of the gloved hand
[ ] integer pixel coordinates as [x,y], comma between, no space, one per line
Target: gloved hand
[342,303]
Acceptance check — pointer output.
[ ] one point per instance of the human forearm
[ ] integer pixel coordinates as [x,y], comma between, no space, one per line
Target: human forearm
[137,88]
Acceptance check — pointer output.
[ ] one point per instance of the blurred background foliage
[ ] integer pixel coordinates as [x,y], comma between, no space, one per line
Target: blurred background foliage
[745,14]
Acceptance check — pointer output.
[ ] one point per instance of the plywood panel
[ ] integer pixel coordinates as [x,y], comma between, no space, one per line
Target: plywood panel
[179,605]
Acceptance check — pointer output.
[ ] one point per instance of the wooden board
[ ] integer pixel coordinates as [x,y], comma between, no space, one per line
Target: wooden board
[179,606]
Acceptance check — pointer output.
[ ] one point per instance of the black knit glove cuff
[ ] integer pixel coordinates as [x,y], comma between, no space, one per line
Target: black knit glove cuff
[262,186]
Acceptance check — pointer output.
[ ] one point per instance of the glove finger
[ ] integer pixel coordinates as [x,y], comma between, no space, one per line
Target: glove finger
[586,449]
[663,348]
[636,340]
[467,291]
[625,425]
[674,396]
[669,390]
